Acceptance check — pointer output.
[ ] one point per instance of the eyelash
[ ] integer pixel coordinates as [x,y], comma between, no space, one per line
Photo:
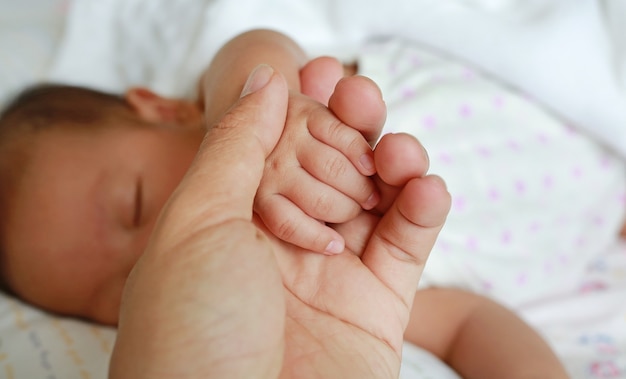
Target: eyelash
[138,203]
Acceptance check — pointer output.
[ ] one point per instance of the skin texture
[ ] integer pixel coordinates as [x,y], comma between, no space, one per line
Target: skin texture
[316,291]
[106,190]
[478,337]
[332,160]
[232,64]
[240,303]
[88,202]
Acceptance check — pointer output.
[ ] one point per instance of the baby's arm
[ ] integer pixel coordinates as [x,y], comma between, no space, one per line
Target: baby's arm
[479,338]
[298,191]
[222,82]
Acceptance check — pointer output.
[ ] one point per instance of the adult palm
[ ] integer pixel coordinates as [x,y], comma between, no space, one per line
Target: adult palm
[214,296]
[346,314]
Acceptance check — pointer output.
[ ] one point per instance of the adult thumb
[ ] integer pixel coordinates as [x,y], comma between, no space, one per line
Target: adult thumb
[224,177]
[197,258]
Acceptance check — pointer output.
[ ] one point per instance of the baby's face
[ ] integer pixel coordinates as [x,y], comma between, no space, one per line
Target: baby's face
[84,211]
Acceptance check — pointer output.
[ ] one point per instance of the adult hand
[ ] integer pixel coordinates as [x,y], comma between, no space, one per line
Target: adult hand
[362,298]
[212,296]
[206,300]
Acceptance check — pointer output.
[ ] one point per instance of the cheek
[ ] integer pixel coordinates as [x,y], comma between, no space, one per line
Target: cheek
[60,282]
[163,166]
[174,176]
[106,306]
[168,175]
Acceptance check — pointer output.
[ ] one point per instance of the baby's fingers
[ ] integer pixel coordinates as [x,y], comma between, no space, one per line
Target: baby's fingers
[357,101]
[327,129]
[289,223]
[332,168]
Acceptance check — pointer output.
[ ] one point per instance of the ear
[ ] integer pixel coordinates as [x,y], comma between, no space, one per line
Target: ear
[153,108]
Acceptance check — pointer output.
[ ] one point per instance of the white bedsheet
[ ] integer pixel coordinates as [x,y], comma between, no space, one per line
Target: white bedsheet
[516,232]
[568,54]
[30,31]
[532,45]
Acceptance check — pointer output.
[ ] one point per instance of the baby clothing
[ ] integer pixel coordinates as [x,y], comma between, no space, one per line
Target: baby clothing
[533,200]
[536,204]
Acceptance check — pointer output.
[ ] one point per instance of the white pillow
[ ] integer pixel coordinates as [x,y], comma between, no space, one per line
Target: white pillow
[569,55]
[34,344]
[30,32]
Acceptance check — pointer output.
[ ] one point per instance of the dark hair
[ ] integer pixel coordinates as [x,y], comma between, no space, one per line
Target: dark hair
[46,107]
[50,105]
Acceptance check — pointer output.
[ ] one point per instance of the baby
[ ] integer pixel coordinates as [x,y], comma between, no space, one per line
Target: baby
[85,174]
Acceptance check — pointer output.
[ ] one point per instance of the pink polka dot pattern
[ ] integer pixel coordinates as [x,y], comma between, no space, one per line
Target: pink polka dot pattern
[534,200]
[510,166]
[429,122]
[465,111]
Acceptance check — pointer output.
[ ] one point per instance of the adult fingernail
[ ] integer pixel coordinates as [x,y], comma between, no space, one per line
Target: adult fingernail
[371,201]
[259,77]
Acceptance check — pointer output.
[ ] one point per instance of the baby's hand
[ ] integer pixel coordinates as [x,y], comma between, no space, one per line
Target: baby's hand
[320,170]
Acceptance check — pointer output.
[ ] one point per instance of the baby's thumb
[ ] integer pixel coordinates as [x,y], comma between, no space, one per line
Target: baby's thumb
[225,175]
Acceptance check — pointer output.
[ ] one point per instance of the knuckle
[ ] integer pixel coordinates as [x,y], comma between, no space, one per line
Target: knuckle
[400,246]
[323,206]
[355,146]
[286,229]
[231,119]
[335,167]
[324,126]
[335,210]
[335,128]
[358,144]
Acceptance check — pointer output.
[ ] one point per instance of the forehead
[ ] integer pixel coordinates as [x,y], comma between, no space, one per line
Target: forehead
[63,172]
[56,213]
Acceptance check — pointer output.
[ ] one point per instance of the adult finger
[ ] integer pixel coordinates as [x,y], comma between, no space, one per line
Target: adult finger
[401,242]
[206,264]
[399,158]
[224,177]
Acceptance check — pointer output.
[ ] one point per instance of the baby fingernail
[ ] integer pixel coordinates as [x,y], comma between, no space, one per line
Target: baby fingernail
[367,162]
[371,201]
[334,247]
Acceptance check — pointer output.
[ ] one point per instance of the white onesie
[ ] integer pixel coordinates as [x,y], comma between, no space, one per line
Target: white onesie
[533,199]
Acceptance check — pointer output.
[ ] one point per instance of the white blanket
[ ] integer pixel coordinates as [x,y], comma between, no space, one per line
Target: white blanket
[568,54]
[534,45]
[517,231]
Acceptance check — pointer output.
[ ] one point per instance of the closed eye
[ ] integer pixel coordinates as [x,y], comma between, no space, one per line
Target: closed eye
[138,203]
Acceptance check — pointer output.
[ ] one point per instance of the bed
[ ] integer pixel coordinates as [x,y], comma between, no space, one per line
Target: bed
[539,196]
